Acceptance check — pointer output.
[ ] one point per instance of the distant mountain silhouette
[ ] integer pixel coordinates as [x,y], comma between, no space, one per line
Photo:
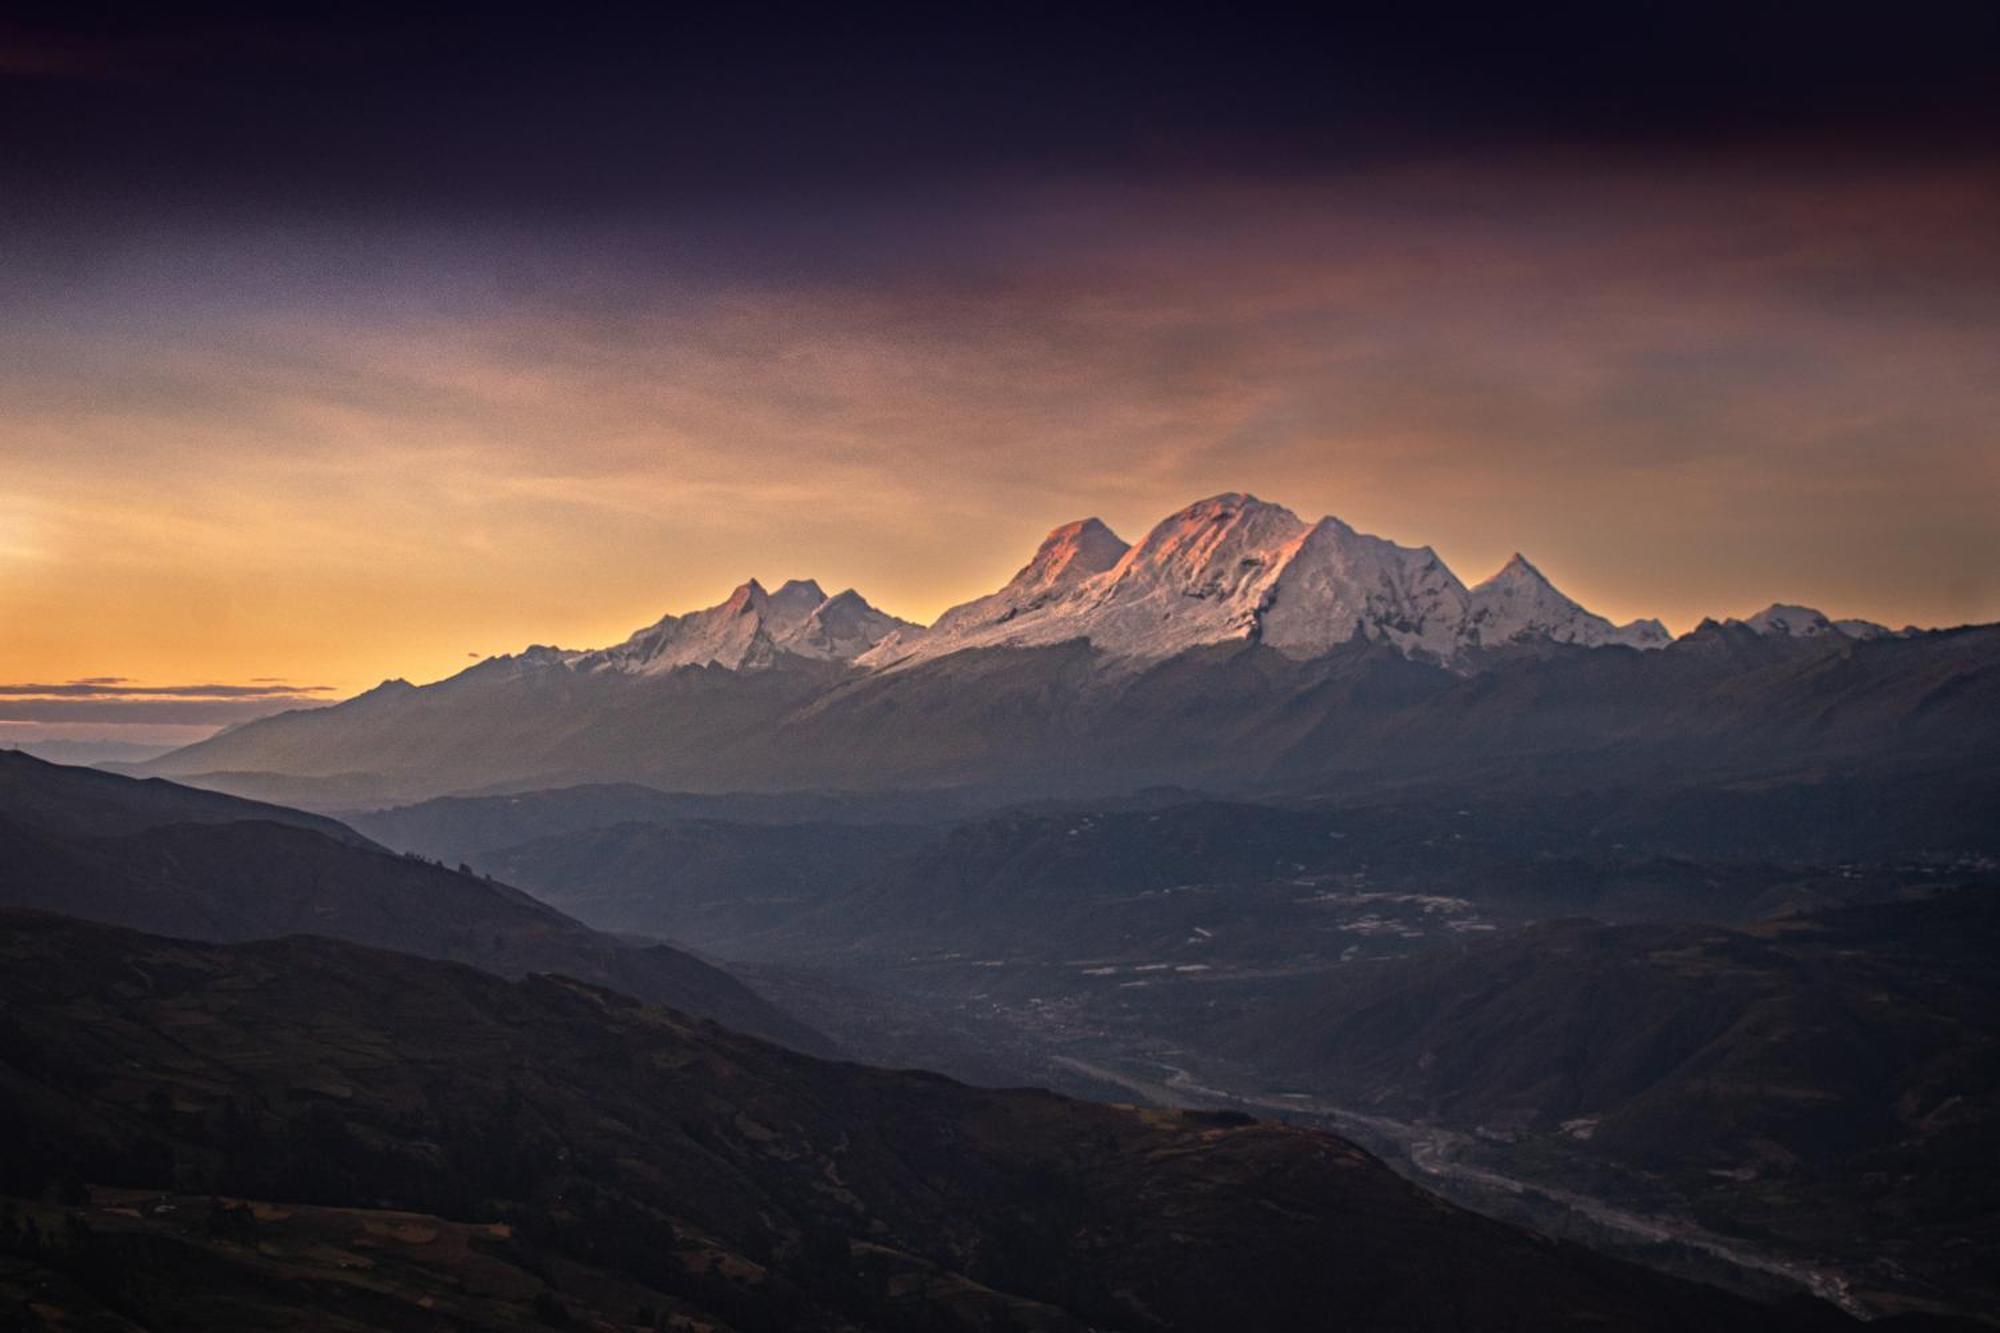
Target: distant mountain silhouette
[170,859]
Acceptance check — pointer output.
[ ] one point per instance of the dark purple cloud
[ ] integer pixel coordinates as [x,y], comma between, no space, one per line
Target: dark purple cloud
[536,113]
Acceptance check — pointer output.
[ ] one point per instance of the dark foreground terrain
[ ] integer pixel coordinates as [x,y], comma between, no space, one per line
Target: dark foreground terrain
[256,1135]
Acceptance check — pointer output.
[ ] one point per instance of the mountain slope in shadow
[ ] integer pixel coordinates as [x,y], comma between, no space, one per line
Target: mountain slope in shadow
[1062,719]
[739,1181]
[1827,1082]
[123,852]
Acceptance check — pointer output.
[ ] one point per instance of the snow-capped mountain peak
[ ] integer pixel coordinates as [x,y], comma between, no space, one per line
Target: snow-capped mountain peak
[750,628]
[1338,584]
[1785,621]
[1519,572]
[1519,602]
[1233,567]
[1201,575]
[1791,622]
[1070,554]
[796,597]
[1646,632]
[841,628]
[1214,547]
[1868,629]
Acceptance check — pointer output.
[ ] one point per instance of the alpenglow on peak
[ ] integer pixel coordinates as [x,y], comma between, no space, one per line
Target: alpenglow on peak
[1234,567]
[749,629]
[1230,568]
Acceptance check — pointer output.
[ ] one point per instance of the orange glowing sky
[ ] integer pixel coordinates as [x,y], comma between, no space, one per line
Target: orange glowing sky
[329,455]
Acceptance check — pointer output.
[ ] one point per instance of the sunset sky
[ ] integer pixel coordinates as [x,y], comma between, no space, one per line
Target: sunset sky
[346,348]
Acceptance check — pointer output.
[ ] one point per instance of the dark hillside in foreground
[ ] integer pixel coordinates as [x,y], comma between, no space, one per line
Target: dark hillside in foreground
[619,1153]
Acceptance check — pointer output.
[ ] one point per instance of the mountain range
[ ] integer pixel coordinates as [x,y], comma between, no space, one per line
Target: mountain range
[1235,568]
[1235,645]
[1231,568]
